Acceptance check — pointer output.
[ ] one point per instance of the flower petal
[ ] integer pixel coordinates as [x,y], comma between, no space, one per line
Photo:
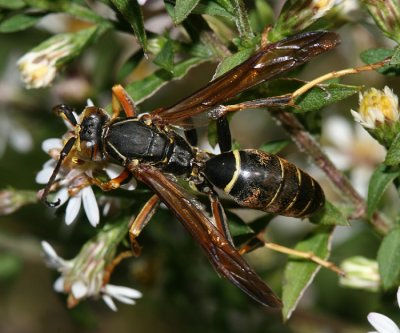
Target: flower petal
[382,323]
[110,303]
[73,207]
[398,297]
[43,176]
[79,289]
[51,143]
[90,206]
[113,290]
[58,285]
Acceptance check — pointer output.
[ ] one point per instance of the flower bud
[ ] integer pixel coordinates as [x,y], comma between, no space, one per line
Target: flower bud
[11,200]
[360,273]
[386,14]
[298,15]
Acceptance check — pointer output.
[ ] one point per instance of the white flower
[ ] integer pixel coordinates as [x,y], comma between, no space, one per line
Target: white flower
[384,324]
[38,67]
[377,107]
[321,7]
[83,277]
[76,177]
[69,179]
[123,294]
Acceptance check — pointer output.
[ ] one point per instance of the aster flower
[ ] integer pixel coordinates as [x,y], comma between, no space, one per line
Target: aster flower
[11,200]
[84,276]
[38,67]
[298,15]
[69,179]
[382,323]
[386,14]
[379,113]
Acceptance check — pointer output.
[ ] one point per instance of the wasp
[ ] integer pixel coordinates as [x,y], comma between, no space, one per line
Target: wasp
[149,148]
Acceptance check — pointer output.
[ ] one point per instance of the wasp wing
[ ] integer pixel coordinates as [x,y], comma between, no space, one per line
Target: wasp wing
[225,258]
[267,63]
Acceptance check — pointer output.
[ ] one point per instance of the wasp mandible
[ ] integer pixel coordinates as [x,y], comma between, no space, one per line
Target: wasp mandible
[150,150]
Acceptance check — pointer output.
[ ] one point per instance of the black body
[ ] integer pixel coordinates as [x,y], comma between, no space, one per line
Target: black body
[131,139]
[263,181]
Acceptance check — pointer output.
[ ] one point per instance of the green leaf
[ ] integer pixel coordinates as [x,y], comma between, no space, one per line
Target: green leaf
[213,9]
[329,215]
[375,55]
[19,22]
[274,147]
[237,226]
[130,65]
[232,61]
[226,4]
[389,259]
[299,273]
[165,58]
[132,12]
[393,154]
[317,98]
[14,4]
[379,182]
[78,41]
[142,89]
[68,7]
[182,9]
[395,61]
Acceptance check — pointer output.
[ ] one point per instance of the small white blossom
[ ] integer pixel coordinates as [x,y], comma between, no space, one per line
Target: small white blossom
[377,107]
[360,273]
[38,67]
[82,277]
[321,7]
[382,323]
[69,178]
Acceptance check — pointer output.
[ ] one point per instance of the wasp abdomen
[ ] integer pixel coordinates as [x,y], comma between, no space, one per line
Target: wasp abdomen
[263,181]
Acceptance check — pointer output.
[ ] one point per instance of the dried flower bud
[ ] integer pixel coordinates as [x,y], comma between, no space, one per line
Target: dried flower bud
[298,15]
[11,200]
[386,14]
[87,275]
[38,67]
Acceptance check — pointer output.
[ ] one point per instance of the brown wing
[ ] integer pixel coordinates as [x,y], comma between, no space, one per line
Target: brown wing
[267,63]
[224,257]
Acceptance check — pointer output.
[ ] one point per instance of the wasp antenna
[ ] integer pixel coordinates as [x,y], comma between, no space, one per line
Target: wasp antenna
[66,112]
[64,153]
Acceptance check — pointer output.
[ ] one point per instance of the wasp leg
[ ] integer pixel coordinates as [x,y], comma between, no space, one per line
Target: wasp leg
[306,255]
[114,263]
[220,218]
[224,134]
[113,183]
[120,98]
[140,221]
[337,74]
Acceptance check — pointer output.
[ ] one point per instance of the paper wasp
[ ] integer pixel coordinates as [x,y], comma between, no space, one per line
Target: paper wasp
[154,153]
